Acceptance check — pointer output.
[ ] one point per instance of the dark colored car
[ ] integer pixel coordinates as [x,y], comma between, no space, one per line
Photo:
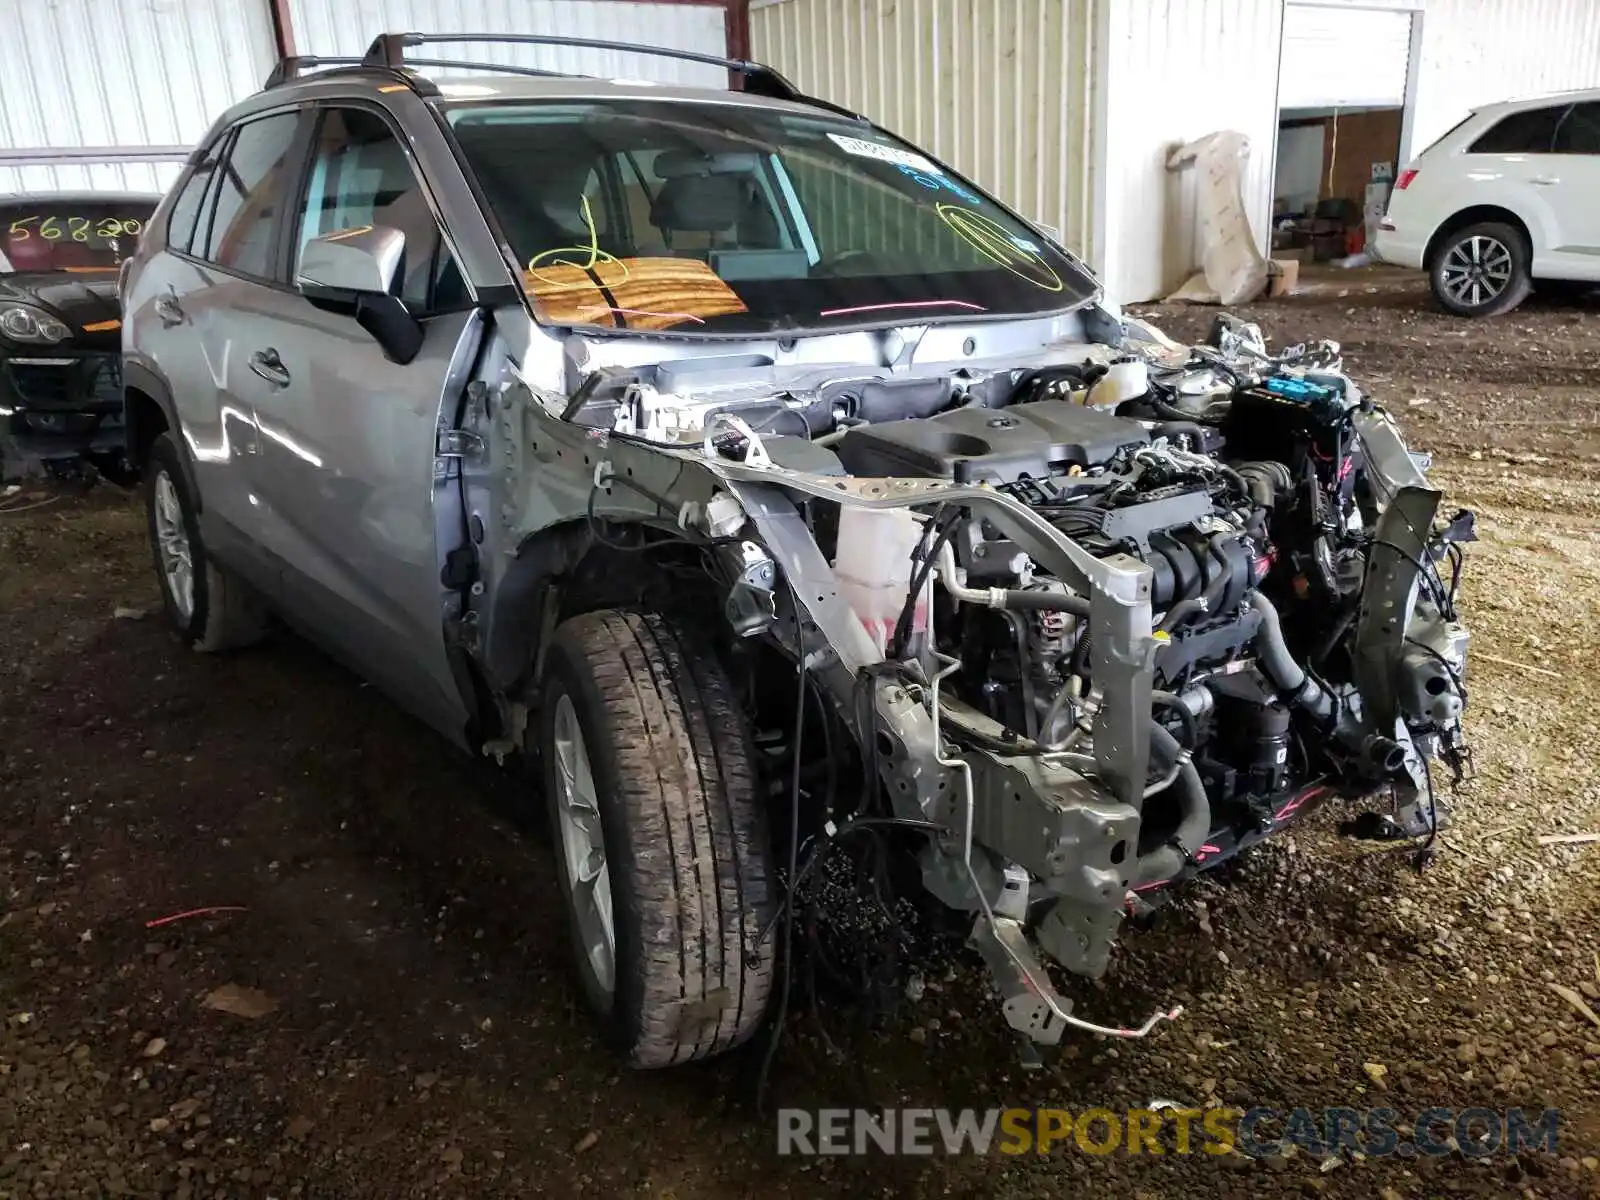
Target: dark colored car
[61,322]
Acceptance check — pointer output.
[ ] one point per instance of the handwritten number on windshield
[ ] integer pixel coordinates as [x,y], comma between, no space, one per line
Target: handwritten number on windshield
[74,228]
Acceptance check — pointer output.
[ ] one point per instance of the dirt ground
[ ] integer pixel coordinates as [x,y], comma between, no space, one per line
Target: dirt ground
[424,1038]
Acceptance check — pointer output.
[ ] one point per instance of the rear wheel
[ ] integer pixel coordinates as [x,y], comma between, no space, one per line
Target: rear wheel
[1482,270]
[210,608]
[663,852]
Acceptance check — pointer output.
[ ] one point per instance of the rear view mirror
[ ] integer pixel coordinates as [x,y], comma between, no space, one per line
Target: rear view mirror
[353,271]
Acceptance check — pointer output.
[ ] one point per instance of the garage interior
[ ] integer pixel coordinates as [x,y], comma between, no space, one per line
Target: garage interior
[1343,84]
[264,935]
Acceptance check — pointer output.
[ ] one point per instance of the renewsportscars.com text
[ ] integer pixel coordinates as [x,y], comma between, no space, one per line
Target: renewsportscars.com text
[1256,1132]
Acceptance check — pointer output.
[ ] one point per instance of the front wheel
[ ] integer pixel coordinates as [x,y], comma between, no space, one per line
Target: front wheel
[1482,270]
[664,858]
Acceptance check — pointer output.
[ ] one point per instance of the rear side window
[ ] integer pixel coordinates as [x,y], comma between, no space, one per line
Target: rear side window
[1529,132]
[186,208]
[1580,132]
[251,188]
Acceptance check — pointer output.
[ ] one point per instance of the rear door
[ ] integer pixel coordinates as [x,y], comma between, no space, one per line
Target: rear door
[203,297]
[345,474]
[1512,165]
[1576,194]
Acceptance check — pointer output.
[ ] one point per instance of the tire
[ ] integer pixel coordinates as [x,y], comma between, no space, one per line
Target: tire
[217,611]
[687,871]
[1482,270]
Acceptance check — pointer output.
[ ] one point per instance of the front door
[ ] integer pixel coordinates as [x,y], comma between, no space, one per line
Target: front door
[345,473]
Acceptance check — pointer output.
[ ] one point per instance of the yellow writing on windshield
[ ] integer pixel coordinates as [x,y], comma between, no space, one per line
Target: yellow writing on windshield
[991,239]
[584,258]
[58,227]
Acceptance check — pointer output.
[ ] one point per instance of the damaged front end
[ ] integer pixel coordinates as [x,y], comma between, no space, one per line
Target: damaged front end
[1095,617]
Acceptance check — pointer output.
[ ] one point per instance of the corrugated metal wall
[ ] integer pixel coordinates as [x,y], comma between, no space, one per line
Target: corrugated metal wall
[1179,69]
[1479,51]
[121,73]
[1343,57]
[999,89]
[338,27]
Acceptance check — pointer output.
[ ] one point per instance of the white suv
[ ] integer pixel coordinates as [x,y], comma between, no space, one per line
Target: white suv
[1504,202]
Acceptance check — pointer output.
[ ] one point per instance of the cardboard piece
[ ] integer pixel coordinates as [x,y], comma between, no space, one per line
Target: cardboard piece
[1377,203]
[1283,277]
[1233,270]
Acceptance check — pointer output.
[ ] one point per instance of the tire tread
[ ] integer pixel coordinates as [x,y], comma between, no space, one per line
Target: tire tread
[697,834]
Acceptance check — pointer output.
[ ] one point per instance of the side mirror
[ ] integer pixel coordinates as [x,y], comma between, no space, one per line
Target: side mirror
[352,271]
[364,259]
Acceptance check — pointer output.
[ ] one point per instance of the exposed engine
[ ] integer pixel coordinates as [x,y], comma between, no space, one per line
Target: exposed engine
[1255,503]
[1096,618]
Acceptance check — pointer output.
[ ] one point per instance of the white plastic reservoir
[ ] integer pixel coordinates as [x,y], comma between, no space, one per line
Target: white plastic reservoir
[1126,380]
[874,569]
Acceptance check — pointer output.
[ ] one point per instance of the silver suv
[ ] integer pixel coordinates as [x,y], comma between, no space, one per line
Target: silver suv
[845,563]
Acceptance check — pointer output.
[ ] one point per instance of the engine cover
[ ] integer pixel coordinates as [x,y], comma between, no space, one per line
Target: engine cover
[994,445]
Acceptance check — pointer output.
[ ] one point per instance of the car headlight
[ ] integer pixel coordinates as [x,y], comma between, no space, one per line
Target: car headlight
[20,323]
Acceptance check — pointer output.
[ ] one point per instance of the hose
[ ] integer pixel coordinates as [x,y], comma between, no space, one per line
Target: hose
[1039,600]
[1194,823]
[1176,429]
[1170,700]
[1015,599]
[1287,675]
[1305,693]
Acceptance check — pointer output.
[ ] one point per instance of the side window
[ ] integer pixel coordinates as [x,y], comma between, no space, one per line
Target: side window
[1530,132]
[1580,132]
[251,188]
[186,208]
[360,176]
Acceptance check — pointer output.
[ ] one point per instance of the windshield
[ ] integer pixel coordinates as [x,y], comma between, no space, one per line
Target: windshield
[67,235]
[724,218]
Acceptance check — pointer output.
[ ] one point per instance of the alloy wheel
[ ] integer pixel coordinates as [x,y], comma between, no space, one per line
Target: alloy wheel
[1476,270]
[583,849]
[172,542]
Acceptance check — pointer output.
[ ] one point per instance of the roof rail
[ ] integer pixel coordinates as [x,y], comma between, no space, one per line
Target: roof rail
[389,50]
[289,69]
[387,56]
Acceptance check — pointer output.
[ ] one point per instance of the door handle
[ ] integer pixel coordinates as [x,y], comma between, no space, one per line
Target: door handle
[269,366]
[169,310]
[1544,180]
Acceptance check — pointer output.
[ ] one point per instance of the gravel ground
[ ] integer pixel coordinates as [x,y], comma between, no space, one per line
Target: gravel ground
[388,1012]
